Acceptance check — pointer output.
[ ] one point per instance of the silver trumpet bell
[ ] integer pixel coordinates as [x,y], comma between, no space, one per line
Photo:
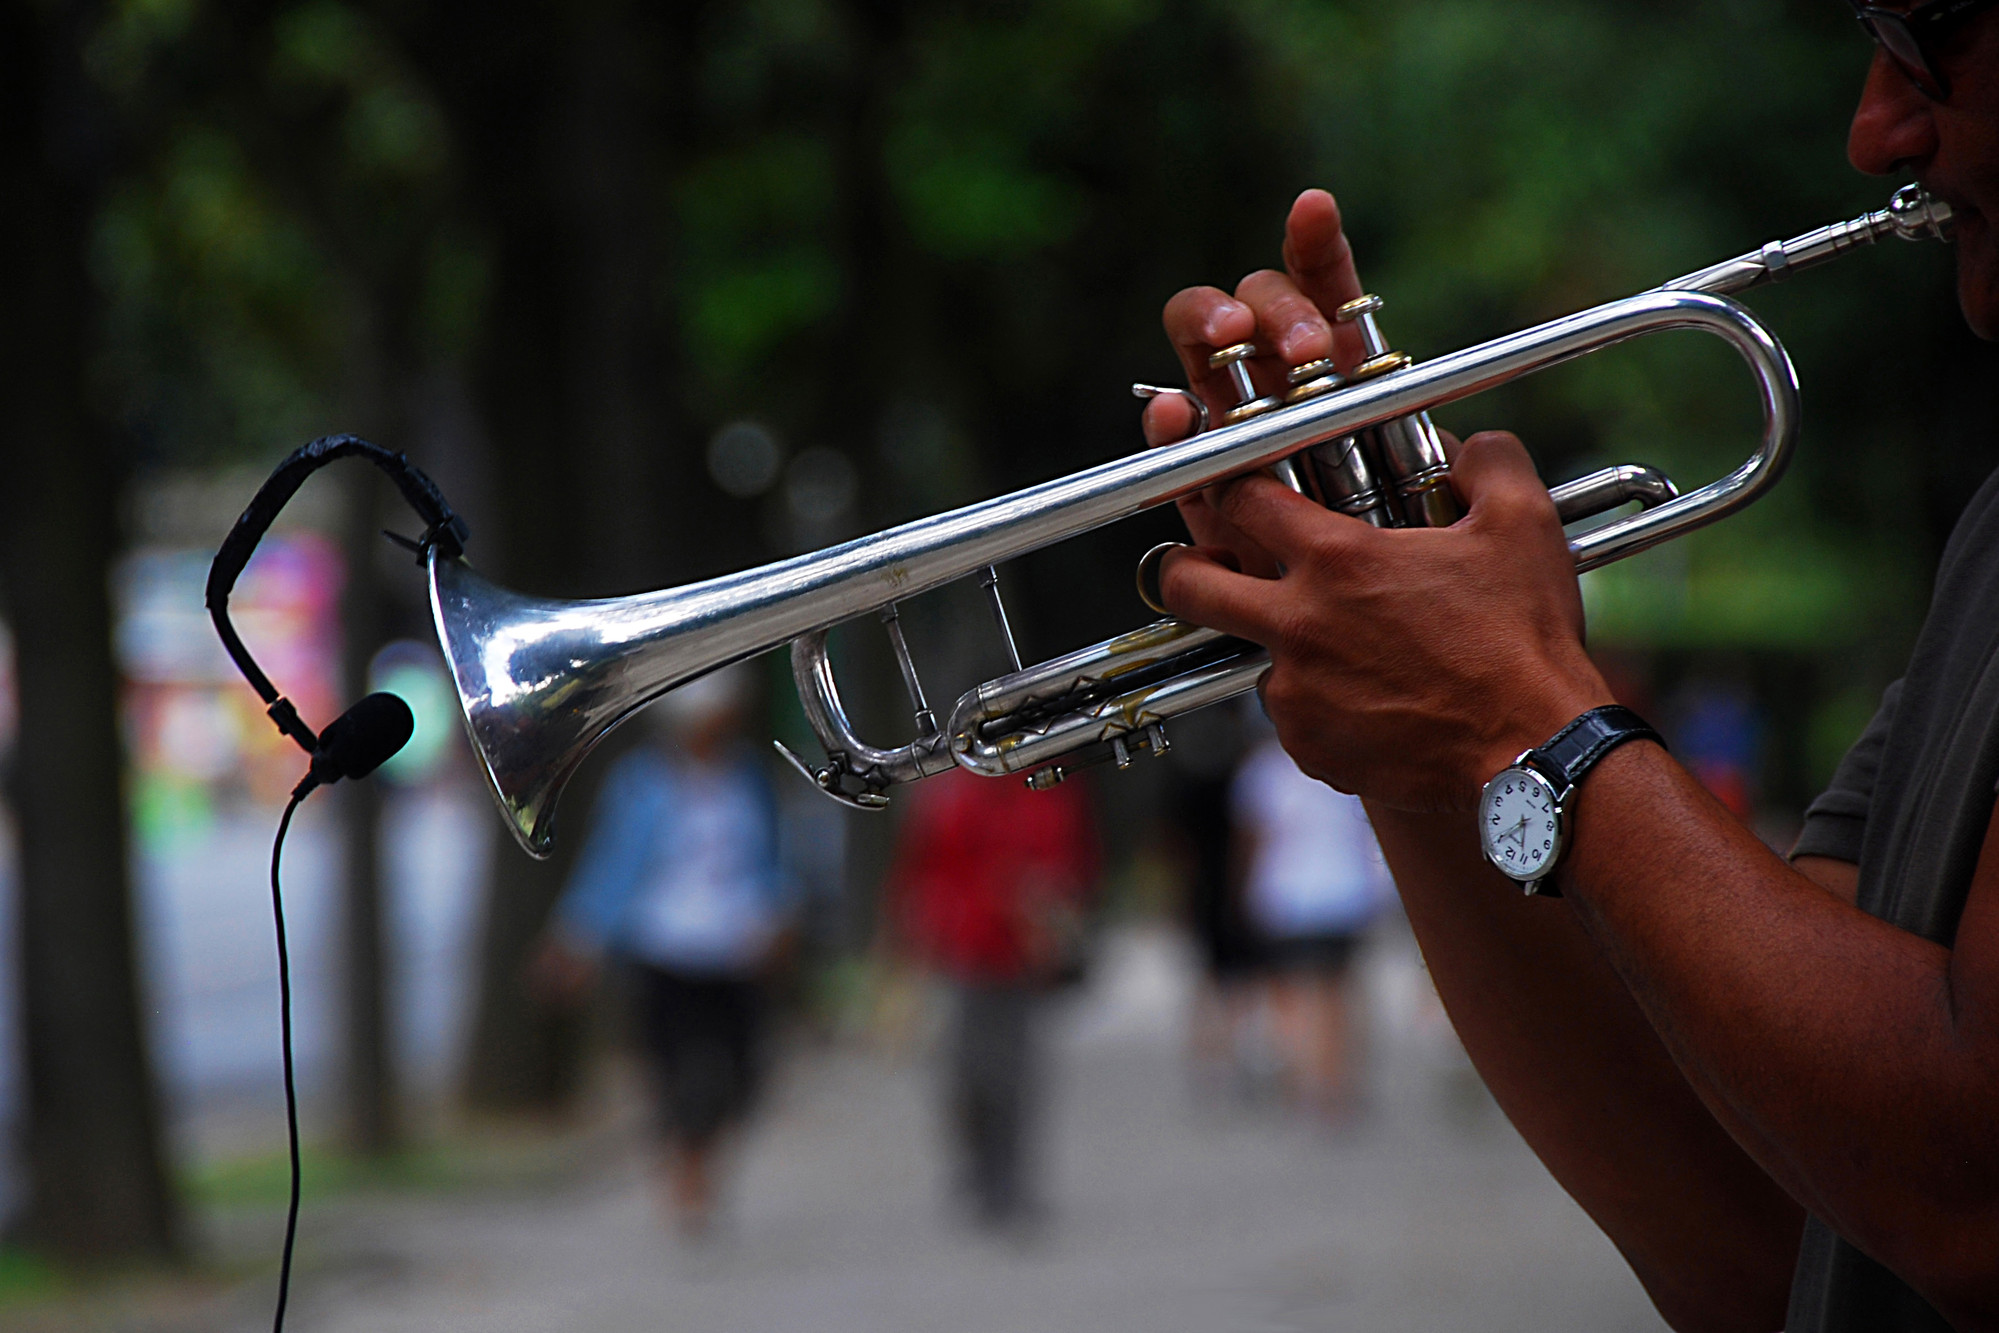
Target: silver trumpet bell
[541,682]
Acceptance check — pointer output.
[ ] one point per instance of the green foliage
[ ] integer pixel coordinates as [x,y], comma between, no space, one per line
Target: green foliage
[26,1277]
[290,175]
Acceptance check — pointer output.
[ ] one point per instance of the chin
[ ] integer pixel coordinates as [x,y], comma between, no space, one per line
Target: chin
[1978,278]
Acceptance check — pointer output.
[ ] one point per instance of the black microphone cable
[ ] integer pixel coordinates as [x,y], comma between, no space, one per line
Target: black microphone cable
[354,744]
[285,1025]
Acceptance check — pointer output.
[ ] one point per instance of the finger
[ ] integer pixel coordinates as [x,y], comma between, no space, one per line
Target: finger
[1198,587]
[1209,528]
[1198,320]
[1321,265]
[1281,521]
[1288,326]
[1495,477]
[1166,418]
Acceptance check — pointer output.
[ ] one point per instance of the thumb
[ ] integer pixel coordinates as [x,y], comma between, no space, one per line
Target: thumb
[1495,478]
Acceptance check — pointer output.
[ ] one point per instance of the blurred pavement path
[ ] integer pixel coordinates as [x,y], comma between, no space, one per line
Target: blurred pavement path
[1166,1214]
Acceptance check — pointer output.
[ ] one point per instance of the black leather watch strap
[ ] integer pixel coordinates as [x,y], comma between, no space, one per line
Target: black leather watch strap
[1571,752]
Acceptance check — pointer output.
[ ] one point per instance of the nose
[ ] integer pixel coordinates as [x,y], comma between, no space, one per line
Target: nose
[1893,124]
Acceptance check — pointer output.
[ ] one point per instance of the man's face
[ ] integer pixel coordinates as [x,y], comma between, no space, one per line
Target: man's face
[1951,148]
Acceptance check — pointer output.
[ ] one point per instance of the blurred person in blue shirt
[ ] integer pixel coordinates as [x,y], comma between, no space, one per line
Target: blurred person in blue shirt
[1313,879]
[681,882]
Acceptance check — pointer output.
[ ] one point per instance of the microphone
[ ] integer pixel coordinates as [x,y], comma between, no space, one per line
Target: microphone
[357,742]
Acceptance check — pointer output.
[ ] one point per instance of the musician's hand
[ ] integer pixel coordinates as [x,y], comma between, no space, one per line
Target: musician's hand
[1410,664]
[1285,314]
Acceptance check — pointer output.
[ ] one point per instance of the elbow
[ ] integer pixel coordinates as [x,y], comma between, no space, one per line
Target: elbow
[1746,1294]
[1952,1262]
[1746,1307]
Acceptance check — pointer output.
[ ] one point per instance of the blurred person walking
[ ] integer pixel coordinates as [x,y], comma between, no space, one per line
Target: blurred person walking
[1223,1051]
[681,883]
[991,886]
[1313,879]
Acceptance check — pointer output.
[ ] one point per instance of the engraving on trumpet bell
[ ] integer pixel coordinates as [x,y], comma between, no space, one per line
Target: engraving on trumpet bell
[1235,359]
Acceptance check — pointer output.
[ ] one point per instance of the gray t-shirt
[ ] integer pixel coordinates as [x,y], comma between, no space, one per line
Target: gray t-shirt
[1910,804]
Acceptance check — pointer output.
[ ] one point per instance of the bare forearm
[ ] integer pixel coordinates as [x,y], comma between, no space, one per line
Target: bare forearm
[1852,1059]
[1580,1072]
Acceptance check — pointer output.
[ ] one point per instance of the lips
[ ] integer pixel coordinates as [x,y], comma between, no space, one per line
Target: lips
[1963,214]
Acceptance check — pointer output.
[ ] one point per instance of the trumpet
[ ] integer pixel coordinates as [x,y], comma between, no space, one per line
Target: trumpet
[540,682]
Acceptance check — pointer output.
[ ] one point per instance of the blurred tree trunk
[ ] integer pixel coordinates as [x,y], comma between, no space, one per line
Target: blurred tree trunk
[865,366]
[98,1185]
[371,1086]
[571,124]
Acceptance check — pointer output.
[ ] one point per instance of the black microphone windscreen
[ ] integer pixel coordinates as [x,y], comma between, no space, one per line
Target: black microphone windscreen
[357,742]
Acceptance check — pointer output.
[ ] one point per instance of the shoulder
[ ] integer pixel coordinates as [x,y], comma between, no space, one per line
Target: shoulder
[1974,541]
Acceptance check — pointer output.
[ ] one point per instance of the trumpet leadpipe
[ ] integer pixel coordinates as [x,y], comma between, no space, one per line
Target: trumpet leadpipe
[1911,215]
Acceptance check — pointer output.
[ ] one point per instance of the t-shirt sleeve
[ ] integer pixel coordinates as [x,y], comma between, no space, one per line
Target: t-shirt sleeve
[1835,822]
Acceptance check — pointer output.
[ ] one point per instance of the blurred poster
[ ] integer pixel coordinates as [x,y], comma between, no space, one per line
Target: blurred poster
[197,738]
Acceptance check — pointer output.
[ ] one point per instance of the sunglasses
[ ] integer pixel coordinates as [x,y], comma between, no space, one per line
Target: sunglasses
[1910,37]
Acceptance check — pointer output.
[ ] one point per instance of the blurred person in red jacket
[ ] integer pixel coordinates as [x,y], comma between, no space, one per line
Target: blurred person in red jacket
[991,886]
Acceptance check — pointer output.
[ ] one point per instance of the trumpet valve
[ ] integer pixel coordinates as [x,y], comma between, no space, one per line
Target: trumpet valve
[1380,359]
[1361,312]
[1312,379]
[1235,360]
[1381,365]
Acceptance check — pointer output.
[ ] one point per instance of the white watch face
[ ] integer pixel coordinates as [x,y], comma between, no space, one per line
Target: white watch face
[1519,824]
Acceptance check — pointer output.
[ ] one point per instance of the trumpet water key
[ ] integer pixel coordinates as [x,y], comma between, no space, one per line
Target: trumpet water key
[540,682]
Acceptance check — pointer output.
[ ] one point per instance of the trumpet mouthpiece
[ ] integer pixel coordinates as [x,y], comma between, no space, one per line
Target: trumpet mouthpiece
[1918,215]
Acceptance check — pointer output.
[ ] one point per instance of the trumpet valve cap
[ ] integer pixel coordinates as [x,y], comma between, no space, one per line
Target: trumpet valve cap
[1312,379]
[1235,360]
[1381,365]
[1359,306]
[1255,407]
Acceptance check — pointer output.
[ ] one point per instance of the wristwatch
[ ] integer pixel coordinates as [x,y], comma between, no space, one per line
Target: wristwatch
[1523,815]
